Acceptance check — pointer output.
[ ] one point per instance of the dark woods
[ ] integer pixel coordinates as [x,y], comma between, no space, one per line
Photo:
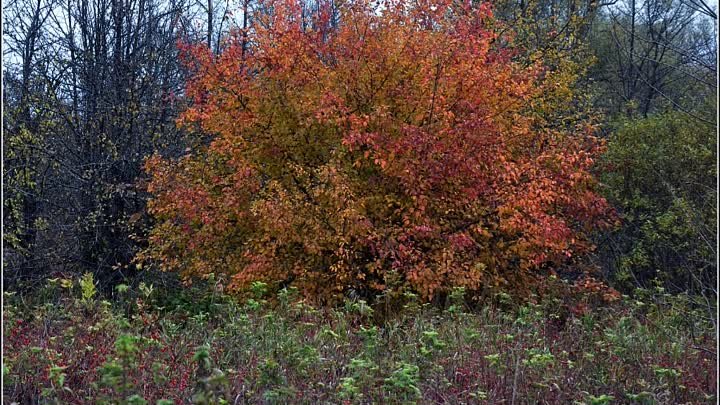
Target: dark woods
[91,88]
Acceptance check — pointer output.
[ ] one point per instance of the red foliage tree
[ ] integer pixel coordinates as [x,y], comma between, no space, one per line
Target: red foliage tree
[404,145]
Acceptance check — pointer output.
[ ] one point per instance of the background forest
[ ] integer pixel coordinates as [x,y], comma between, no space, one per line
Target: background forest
[256,201]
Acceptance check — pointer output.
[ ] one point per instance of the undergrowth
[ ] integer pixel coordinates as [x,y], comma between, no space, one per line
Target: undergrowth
[65,345]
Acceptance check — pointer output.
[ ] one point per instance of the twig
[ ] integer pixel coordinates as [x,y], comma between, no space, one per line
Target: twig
[704,350]
[515,379]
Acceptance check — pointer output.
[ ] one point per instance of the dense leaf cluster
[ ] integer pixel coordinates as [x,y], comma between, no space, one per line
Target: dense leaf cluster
[407,145]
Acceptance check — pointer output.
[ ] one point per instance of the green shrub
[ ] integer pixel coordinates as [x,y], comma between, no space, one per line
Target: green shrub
[404,382]
[660,175]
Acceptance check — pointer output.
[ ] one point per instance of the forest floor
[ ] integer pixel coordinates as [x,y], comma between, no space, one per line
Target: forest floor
[64,345]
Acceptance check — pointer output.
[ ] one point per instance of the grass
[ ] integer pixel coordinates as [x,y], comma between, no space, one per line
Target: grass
[63,345]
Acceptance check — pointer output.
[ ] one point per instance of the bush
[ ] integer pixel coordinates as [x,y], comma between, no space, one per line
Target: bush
[661,176]
[400,148]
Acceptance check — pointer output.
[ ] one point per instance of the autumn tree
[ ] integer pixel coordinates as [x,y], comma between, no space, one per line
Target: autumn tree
[382,145]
